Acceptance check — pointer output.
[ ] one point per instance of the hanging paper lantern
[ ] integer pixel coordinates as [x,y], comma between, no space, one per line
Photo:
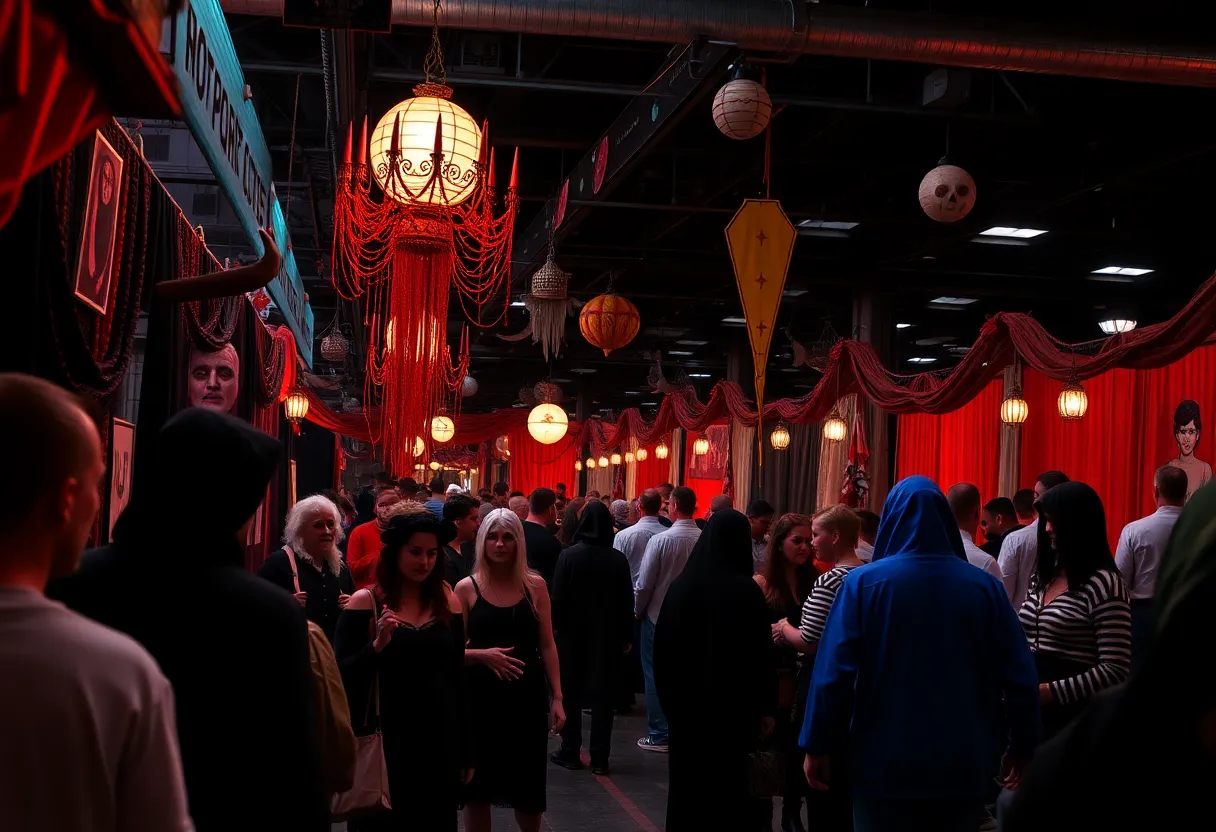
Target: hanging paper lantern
[419,447]
[660,451]
[834,428]
[742,109]
[947,193]
[463,474]
[468,387]
[603,462]
[780,437]
[296,406]
[590,463]
[641,455]
[473,472]
[420,467]
[701,446]
[411,126]
[615,459]
[435,466]
[547,423]
[442,429]
[334,346]
[629,457]
[1072,402]
[578,465]
[609,322]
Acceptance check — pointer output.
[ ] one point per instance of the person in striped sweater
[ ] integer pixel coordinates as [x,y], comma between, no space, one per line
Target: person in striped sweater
[1076,616]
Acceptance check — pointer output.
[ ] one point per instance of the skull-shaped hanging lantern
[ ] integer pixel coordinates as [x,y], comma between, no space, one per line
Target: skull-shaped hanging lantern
[947,193]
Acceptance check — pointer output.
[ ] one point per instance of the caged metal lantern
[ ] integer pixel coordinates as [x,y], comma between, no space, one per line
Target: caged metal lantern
[780,437]
[661,451]
[1072,402]
[641,455]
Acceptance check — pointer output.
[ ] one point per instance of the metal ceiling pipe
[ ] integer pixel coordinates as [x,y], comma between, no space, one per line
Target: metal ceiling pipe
[794,27]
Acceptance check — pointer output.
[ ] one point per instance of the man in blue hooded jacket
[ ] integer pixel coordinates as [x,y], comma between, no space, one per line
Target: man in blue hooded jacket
[921,665]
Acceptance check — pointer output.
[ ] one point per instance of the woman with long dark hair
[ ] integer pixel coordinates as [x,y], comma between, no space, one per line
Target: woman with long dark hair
[786,579]
[400,646]
[1077,616]
[571,514]
[514,680]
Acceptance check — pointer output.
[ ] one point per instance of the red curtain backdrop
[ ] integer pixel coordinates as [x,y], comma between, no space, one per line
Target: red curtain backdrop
[1127,432]
[706,489]
[961,446]
[534,465]
[653,472]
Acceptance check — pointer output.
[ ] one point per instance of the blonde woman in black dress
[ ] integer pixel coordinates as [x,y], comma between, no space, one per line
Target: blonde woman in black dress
[515,687]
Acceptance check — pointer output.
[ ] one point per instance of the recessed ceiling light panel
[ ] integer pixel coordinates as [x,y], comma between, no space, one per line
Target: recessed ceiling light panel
[1014,233]
[1125,271]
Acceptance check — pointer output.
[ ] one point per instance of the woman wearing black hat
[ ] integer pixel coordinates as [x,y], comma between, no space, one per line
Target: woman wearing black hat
[406,635]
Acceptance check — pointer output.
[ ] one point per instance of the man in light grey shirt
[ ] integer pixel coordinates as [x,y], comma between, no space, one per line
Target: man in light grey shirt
[964,500]
[1020,550]
[664,560]
[88,726]
[1138,555]
[631,541]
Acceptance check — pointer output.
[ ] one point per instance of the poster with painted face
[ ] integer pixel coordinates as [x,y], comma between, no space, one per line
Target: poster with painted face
[94,263]
[1188,428]
[213,378]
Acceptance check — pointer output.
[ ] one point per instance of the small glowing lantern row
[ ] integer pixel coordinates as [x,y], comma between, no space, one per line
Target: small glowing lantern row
[641,455]
[660,450]
[603,462]
[590,463]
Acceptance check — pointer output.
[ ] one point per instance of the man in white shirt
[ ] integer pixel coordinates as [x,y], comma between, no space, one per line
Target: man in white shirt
[88,724]
[964,500]
[760,517]
[631,542]
[1020,550]
[869,531]
[664,560]
[1138,555]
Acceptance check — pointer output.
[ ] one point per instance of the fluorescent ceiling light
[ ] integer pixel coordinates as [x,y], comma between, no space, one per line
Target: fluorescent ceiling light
[633,392]
[688,343]
[650,404]
[947,301]
[562,380]
[1015,233]
[902,326]
[680,352]
[517,303]
[699,375]
[583,370]
[1116,325]
[794,293]
[734,319]
[921,360]
[831,225]
[1126,271]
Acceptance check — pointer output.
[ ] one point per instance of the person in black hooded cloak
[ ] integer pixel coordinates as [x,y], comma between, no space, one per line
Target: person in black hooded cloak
[716,679]
[593,627]
[234,646]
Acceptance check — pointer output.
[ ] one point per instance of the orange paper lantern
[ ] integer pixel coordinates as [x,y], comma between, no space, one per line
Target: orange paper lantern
[609,322]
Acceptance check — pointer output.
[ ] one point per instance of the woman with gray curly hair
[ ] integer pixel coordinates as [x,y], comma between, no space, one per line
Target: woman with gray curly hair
[309,565]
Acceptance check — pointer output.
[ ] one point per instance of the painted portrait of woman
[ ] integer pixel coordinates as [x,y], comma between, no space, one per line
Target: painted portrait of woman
[1188,427]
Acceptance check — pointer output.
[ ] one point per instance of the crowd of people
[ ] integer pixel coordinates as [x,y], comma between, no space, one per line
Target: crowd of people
[886,671]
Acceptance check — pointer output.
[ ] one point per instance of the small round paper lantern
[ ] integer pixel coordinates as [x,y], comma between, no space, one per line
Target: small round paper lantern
[609,322]
[547,423]
[660,451]
[742,109]
[947,193]
[629,457]
[602,462]
[468,387]
[473,472]
[296,407]
[419,447]
[641,455]
[615,459]
[590,463]
[442,429]
[419,467]
[578,465]
[1072,402]
[1014,409]
[408,180]
[780,437]
[834,428]
[701,446]
[435,466]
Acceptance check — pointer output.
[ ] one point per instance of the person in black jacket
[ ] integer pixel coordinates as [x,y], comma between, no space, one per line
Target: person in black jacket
[234,647]
[593,626]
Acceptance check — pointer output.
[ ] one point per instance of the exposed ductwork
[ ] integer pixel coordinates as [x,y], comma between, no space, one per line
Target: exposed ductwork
[797,27]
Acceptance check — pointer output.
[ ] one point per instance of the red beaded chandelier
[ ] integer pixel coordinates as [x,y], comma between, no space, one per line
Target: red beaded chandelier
[433,227]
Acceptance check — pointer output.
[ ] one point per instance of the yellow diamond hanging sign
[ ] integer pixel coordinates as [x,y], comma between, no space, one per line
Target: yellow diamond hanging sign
[761,241]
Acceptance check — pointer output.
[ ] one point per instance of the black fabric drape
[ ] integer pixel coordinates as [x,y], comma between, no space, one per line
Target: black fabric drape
[788,478]
[314,455]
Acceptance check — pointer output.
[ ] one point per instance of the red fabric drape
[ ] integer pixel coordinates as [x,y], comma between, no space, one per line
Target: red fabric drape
[534,465]
[706,489]
[961,446]
[1127,432]
[653,472]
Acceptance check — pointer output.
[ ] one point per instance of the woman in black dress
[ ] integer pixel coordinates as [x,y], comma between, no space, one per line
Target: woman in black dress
[514,681]
[406,634]
[786,580]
